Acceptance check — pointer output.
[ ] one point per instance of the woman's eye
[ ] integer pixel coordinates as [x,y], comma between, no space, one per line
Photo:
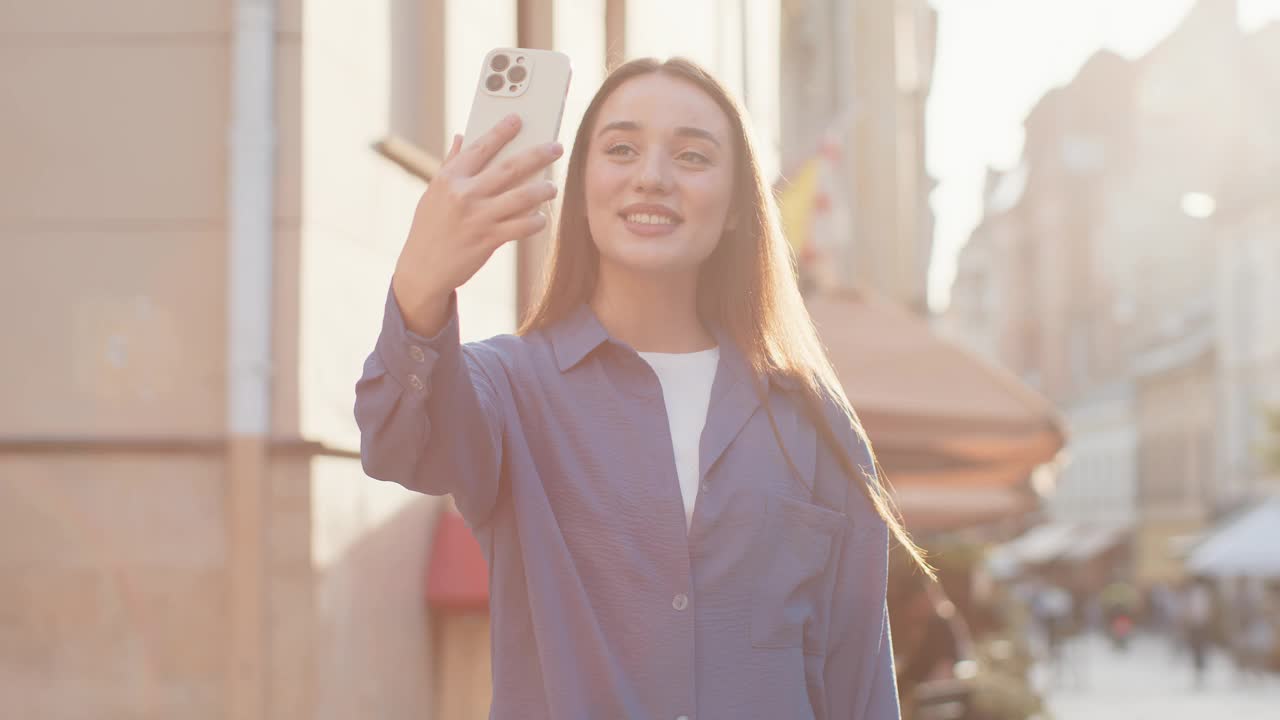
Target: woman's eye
[620,150]
[694,157]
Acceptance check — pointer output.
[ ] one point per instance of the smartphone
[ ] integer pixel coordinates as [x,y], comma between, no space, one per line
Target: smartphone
[530,83]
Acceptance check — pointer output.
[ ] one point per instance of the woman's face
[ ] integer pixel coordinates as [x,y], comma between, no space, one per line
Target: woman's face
[659,175]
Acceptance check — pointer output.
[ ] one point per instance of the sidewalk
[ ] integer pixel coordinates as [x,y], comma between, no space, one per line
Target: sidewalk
[1151,681]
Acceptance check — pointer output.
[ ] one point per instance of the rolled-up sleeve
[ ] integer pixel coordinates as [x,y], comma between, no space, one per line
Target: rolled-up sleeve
[429,414]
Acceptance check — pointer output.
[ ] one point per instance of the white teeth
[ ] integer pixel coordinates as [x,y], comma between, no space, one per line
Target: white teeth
[645,219]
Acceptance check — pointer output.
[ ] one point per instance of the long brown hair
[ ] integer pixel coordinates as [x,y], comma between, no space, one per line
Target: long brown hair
[748,285]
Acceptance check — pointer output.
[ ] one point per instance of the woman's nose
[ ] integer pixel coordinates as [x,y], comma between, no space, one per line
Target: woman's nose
[655,174]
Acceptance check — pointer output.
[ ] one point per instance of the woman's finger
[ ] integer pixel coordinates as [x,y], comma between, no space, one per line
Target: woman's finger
[472,160]
[455,148]
[497,179]
[520,200]
[517,228]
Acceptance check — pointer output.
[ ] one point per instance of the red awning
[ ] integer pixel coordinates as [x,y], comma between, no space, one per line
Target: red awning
[457,574]
[936,508]
[938,415]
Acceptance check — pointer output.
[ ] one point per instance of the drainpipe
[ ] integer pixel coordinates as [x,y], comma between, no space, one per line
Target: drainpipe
[251,179]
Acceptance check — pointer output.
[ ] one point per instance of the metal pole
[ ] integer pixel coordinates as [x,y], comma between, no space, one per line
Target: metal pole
[251,180]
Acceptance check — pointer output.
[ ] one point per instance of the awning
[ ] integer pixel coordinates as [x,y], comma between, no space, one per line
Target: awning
[929,507]
[1247,545]
[1042,543]
[938,415]
[1054,542]
[933,409]
[1093,541]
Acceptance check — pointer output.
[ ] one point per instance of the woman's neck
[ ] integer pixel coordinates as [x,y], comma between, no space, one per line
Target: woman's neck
[651,313]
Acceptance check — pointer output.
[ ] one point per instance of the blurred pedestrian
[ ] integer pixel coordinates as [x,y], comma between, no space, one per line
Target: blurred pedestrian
[1254,641]
[1160,599]
[1197,622]
[1120,605]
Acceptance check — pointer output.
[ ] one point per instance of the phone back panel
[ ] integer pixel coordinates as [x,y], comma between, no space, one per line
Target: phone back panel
[539,100]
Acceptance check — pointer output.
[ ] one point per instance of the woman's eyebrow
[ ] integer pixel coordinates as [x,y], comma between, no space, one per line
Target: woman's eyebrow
[698,133]
[631,125]
[619,125]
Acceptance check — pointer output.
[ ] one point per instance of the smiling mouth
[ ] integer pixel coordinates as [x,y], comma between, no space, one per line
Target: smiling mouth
[649,219]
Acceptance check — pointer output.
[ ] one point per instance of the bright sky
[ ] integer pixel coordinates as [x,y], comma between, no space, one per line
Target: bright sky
[996,58]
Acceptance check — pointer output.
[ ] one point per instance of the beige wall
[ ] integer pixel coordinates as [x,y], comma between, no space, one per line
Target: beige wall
[1176,426]
[112,217]
[1176,413]
[114,603]
[78,212]
[97,618]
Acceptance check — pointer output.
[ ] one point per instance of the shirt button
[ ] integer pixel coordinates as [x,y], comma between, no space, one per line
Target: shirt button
[416,383]
[682,717]
[680,601]
[416,353]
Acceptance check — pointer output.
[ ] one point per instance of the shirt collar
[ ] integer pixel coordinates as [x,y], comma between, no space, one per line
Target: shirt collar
[576,335]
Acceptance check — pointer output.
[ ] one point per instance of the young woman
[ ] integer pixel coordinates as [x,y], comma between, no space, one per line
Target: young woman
[680,511]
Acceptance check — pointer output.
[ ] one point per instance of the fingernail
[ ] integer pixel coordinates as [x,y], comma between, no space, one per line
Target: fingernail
[512,119]
[557,149]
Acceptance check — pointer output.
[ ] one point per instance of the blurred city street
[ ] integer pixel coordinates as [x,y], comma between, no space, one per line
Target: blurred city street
[1152,682]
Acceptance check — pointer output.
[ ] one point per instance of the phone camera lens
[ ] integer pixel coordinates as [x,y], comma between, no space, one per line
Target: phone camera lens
[494,82]
[517,74]
[500,63]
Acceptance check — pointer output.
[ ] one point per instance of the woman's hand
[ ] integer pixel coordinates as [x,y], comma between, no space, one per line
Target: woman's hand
[468,211]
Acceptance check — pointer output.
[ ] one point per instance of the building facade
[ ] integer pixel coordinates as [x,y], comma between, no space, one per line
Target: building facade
[987,312]
[1148,307]
[1027,290]
[1246,229]
[856,78]
[1098,483]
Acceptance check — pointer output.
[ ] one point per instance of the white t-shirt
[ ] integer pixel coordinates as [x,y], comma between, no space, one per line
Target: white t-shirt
[686,389]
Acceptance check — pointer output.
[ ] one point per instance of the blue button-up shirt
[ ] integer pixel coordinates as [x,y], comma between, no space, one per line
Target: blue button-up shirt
[603,605]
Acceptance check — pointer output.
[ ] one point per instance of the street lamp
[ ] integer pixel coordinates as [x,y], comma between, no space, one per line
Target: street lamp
[1198,205]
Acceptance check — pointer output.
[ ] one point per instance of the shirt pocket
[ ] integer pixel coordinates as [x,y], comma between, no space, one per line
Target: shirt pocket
[794,546]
